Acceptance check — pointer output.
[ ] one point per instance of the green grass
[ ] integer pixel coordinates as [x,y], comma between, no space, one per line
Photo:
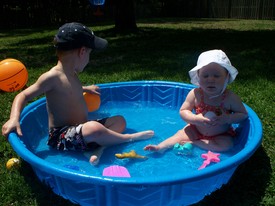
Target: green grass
[163,49]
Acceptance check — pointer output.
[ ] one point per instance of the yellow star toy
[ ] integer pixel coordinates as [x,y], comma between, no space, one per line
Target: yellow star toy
[131,154]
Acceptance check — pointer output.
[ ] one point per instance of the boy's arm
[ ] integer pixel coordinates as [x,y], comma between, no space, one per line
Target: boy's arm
[13,123]
[39,87]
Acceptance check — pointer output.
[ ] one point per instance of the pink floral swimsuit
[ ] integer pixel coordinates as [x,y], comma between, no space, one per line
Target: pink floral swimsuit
[203,108]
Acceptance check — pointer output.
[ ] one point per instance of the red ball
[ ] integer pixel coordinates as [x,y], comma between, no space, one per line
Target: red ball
[13,75]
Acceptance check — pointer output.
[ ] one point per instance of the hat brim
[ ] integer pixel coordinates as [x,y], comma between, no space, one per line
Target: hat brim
[193,73]
[99,43]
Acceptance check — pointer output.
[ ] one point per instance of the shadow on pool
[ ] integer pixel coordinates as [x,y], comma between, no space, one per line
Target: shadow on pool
[254,173]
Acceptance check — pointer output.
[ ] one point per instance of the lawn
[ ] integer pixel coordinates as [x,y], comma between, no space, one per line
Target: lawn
[162,49]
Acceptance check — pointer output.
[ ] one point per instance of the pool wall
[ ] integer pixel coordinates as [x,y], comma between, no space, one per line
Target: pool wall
[166,190]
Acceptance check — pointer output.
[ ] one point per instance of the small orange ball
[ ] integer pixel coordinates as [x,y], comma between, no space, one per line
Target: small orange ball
[13,162]
[13,75]
[92,101]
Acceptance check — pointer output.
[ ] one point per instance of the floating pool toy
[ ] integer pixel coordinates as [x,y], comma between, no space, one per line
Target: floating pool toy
[210,157]
[88,188]
[92,101]
[13,162]
[116,171]
[185,149]
[131,154]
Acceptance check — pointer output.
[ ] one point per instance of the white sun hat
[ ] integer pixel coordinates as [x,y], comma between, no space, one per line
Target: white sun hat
[216,56]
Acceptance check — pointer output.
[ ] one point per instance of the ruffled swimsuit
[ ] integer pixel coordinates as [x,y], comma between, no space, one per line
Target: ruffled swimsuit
[218,110]
[203,108]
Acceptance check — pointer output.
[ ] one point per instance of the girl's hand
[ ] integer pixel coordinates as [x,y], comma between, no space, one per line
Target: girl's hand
[201,120]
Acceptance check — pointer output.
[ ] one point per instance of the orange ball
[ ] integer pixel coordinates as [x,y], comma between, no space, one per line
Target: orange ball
[13,75]
[92,101]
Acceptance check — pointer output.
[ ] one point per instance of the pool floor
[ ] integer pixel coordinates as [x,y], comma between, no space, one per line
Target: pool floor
[165,121]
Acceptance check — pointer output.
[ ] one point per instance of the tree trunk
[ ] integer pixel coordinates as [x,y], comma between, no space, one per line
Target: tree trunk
[125,19]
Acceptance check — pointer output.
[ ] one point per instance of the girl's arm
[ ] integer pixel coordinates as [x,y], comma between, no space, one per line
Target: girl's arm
[238,114]
[186,111]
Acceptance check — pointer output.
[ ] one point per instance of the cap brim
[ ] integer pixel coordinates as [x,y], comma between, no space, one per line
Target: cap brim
[99,43]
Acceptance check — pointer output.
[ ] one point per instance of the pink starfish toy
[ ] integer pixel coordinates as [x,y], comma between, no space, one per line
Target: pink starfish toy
[210,157]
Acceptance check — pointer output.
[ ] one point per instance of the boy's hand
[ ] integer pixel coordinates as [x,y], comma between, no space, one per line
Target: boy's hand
[93,89]
[10,126]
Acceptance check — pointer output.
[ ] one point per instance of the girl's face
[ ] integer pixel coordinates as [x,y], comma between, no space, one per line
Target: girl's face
[212,78]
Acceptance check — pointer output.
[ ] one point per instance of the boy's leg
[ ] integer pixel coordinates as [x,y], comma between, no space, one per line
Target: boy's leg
[94,156]
[116,123]
[95,132]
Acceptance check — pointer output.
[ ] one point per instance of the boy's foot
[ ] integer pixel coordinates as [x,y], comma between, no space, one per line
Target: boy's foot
[142,135]
[94,160]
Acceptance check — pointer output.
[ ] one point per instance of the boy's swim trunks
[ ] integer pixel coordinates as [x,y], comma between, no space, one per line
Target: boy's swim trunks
[69,137]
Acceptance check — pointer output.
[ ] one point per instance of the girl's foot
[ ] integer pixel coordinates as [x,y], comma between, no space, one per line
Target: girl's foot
[151,148]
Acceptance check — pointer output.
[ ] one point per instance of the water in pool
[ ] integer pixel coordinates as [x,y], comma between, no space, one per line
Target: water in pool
[165,121]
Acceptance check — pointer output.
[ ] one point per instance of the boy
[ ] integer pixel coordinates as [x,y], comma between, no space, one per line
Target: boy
[69,127]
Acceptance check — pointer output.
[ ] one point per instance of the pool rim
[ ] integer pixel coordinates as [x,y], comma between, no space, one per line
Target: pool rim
[57,170]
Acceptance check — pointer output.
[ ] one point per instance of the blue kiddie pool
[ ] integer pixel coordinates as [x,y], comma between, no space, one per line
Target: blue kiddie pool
[161,179]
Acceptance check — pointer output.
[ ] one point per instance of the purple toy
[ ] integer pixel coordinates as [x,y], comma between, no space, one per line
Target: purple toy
[116,171]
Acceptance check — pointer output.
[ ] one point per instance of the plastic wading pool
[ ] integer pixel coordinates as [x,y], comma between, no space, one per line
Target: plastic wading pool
[162,179]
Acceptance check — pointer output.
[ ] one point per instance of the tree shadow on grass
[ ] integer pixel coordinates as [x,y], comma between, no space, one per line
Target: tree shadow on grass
[177,50]
[158,49]
[247,185]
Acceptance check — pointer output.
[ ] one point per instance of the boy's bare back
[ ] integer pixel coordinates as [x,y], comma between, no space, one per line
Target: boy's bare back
[65,102]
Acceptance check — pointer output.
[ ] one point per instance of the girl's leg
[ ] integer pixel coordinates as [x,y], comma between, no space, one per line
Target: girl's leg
[166,144]
[218,143]
[182,136]
[95,132]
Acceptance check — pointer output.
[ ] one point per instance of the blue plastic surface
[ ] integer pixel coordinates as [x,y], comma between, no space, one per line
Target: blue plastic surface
[168,189]
[97,2]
